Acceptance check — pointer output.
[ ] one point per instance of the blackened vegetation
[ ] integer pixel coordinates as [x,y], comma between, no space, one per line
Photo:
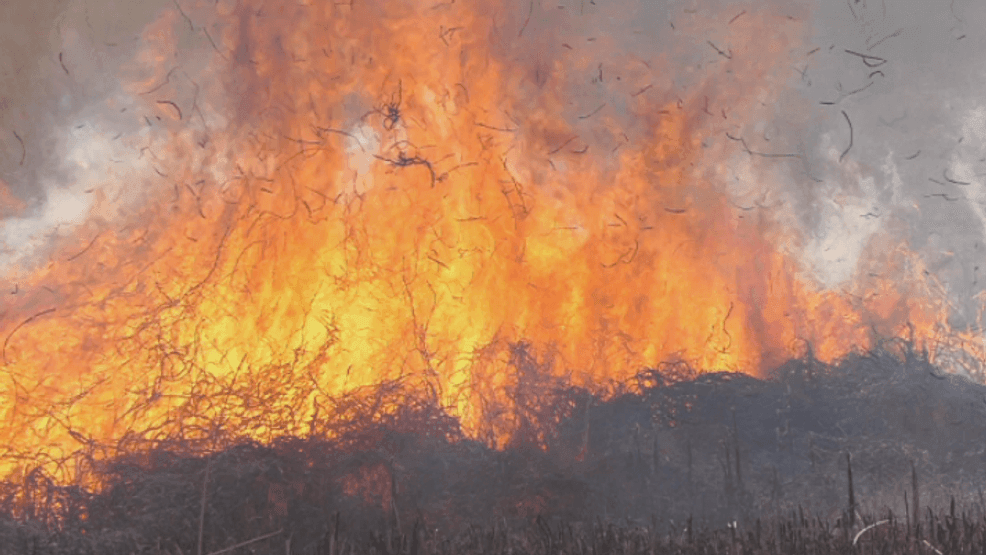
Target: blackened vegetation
[676,462]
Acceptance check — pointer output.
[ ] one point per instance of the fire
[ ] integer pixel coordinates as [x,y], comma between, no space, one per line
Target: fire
[338,195]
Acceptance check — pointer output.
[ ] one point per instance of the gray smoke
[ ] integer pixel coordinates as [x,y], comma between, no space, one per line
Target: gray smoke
[908,76]
[81,122]
[881,108]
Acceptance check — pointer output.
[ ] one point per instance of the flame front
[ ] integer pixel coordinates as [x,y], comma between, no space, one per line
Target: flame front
[339,195]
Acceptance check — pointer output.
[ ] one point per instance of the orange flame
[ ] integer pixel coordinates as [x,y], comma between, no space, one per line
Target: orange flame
[343,194]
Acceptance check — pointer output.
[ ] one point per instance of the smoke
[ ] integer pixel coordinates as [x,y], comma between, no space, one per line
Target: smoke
[872,131]
[82,126]
[897,152]
[868,136]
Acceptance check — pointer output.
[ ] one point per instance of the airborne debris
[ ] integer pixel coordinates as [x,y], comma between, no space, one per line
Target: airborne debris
[173,105]
[23,148]
[391,110]
[869,60]
[953,181]
[403,161]
[848,148]
[728,56]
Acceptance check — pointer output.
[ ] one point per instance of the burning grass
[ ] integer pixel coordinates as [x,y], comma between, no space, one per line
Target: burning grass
[348,277]
[661,467]
[274,208]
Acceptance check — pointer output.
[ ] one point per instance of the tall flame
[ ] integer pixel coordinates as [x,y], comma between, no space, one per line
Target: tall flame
[336,195]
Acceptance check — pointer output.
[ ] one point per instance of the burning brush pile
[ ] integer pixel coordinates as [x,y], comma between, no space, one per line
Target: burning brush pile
[286,276]
[865,452]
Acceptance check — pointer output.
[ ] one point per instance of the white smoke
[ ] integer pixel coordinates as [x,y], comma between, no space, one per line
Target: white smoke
[98,143]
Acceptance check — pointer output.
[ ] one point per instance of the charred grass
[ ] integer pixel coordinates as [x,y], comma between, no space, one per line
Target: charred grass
[879,453]
[937,533]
